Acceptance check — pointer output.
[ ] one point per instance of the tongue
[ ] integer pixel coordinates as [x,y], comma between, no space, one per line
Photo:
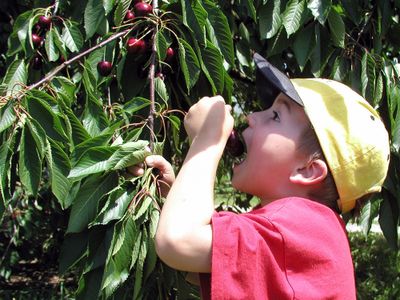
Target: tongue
[234,145]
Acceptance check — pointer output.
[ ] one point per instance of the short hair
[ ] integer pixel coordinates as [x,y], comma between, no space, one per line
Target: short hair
[326,193]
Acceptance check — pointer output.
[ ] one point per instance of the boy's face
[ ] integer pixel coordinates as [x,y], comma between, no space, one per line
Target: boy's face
[271,139]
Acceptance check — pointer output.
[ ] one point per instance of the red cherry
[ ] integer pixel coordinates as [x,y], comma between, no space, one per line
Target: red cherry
[234,145]
[143,9]
[137,1]
[44,22]
[129,15]
[136,46]
[170,54]
[160,75]
[36,40]
[104,67]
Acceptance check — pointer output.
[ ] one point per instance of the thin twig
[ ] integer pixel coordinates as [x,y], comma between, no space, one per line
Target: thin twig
[65,64]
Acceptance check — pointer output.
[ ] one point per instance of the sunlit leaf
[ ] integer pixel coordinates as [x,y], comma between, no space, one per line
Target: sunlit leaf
[72,36]
[292,16]
[16,77]
[94,16]
[320,9]
[50,46]
[7,116]
[120,11]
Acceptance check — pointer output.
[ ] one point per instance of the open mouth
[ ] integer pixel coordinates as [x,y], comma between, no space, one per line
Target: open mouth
[236,147]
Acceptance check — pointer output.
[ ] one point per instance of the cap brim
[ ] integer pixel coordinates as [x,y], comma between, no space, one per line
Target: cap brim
[270,82]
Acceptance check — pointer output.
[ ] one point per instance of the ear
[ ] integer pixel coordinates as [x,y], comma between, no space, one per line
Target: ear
[313,172]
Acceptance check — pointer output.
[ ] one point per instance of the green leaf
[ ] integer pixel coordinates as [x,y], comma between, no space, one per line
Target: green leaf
[161,89]
[108,5]
[143,206]
[7,116]
[320,9]
[73,249]
[30,163]
[367,75]
[50,46]
[58,41]
[194,18]
[66,87]
[21,28]
[59,169]
[84,207]
[162,46]
[16,77]
[89,285]
[389,218]
[219,31]
[90,69]
[139,266]
[393,95]
[270,19]
[120,11]
[5,155]
[303,45]
[337,28]
[117,267]
[44,115]
[213,67]
[354,11]
[94,119]
[106,158]
[134,105]
[340,68]
[115,207]
[94,16]
[129,154]
[72,36]
[189,64]
[86,144]
[251,9]
[292,16]
[176,125]
[95,160]
[368,214]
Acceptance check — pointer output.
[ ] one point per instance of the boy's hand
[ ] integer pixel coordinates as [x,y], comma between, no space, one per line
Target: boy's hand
[209,120]
[166,176]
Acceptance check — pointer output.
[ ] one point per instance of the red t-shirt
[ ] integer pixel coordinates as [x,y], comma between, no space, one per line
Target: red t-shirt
[292,248]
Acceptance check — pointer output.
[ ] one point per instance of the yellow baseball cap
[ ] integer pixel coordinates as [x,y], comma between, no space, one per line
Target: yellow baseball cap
[352,136]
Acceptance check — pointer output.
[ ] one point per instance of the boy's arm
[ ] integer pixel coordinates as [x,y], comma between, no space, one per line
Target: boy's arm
[184,235]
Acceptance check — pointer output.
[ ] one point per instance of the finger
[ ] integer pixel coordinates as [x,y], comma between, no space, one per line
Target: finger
[159,162]
[136,170]
[165,168]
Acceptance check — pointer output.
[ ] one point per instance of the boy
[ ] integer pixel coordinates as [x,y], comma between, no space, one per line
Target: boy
[317,149]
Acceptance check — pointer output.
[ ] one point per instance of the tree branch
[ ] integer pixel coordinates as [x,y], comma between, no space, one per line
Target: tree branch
[152,111]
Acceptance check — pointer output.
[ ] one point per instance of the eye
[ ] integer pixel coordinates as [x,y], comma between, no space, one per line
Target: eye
[275,116]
